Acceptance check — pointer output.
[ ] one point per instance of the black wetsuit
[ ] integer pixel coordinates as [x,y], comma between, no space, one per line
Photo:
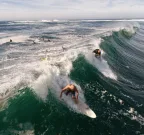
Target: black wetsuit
[70,92]
[97,52]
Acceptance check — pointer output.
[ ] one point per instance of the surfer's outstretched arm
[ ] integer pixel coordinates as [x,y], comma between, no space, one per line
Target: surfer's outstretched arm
[64,89]
[77,94]
[61,94]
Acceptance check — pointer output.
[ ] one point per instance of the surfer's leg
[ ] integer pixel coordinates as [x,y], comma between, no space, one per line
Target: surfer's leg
[73,95]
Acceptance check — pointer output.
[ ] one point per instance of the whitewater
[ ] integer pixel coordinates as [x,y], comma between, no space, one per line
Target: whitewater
[44,56]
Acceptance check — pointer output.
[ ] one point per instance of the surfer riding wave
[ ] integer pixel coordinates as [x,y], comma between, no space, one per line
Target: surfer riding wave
[70,89]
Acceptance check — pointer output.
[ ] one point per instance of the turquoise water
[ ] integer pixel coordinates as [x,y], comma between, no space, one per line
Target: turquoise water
[118,76]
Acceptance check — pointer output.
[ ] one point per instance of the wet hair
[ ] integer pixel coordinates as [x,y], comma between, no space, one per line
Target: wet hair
[97,51]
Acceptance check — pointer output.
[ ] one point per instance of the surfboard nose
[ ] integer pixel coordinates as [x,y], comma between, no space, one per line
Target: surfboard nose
[90,113]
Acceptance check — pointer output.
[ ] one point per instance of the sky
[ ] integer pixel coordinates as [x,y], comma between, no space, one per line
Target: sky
[70,9]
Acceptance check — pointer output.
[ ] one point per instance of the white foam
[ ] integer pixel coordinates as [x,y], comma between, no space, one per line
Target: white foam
[54,78]
[42,76]
[46,21]
[19,38]
[116,20]
[134,115]
[100,63]
[24,22]
[27,129]
[54,20]
[51,74]
[131,110]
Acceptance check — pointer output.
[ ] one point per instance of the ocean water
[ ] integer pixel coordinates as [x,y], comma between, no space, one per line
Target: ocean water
[112,86]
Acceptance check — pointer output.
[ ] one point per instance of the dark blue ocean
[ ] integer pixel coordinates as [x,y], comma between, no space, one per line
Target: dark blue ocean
[46,55]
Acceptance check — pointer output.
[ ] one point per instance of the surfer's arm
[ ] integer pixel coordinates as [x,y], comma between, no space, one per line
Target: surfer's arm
[64,89]
[61,93]
[77,94]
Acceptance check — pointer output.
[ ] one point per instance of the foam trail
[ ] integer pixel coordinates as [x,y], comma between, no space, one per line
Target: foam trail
[100,63]
[42,76]
[54,78]
[19,38]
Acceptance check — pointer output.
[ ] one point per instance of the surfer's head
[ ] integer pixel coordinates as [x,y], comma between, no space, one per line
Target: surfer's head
[97,52]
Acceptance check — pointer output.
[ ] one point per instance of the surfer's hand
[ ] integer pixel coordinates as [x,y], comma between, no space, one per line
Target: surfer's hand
[60,94]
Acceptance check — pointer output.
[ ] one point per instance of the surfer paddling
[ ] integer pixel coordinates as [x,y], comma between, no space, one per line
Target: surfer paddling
[70,89]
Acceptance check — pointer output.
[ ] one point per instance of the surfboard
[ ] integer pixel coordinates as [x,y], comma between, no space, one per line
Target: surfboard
[43,59]
[85,109]
[80,106]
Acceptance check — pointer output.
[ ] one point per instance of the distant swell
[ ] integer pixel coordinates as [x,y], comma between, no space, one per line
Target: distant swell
[46,55]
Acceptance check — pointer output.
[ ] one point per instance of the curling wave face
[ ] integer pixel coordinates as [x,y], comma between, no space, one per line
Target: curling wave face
[44,56]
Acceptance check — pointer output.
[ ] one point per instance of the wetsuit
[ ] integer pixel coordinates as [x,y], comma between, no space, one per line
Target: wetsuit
[72,92]
[97,52]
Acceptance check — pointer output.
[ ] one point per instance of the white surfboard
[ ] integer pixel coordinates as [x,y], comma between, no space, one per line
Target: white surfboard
[84,109]
[80,106]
